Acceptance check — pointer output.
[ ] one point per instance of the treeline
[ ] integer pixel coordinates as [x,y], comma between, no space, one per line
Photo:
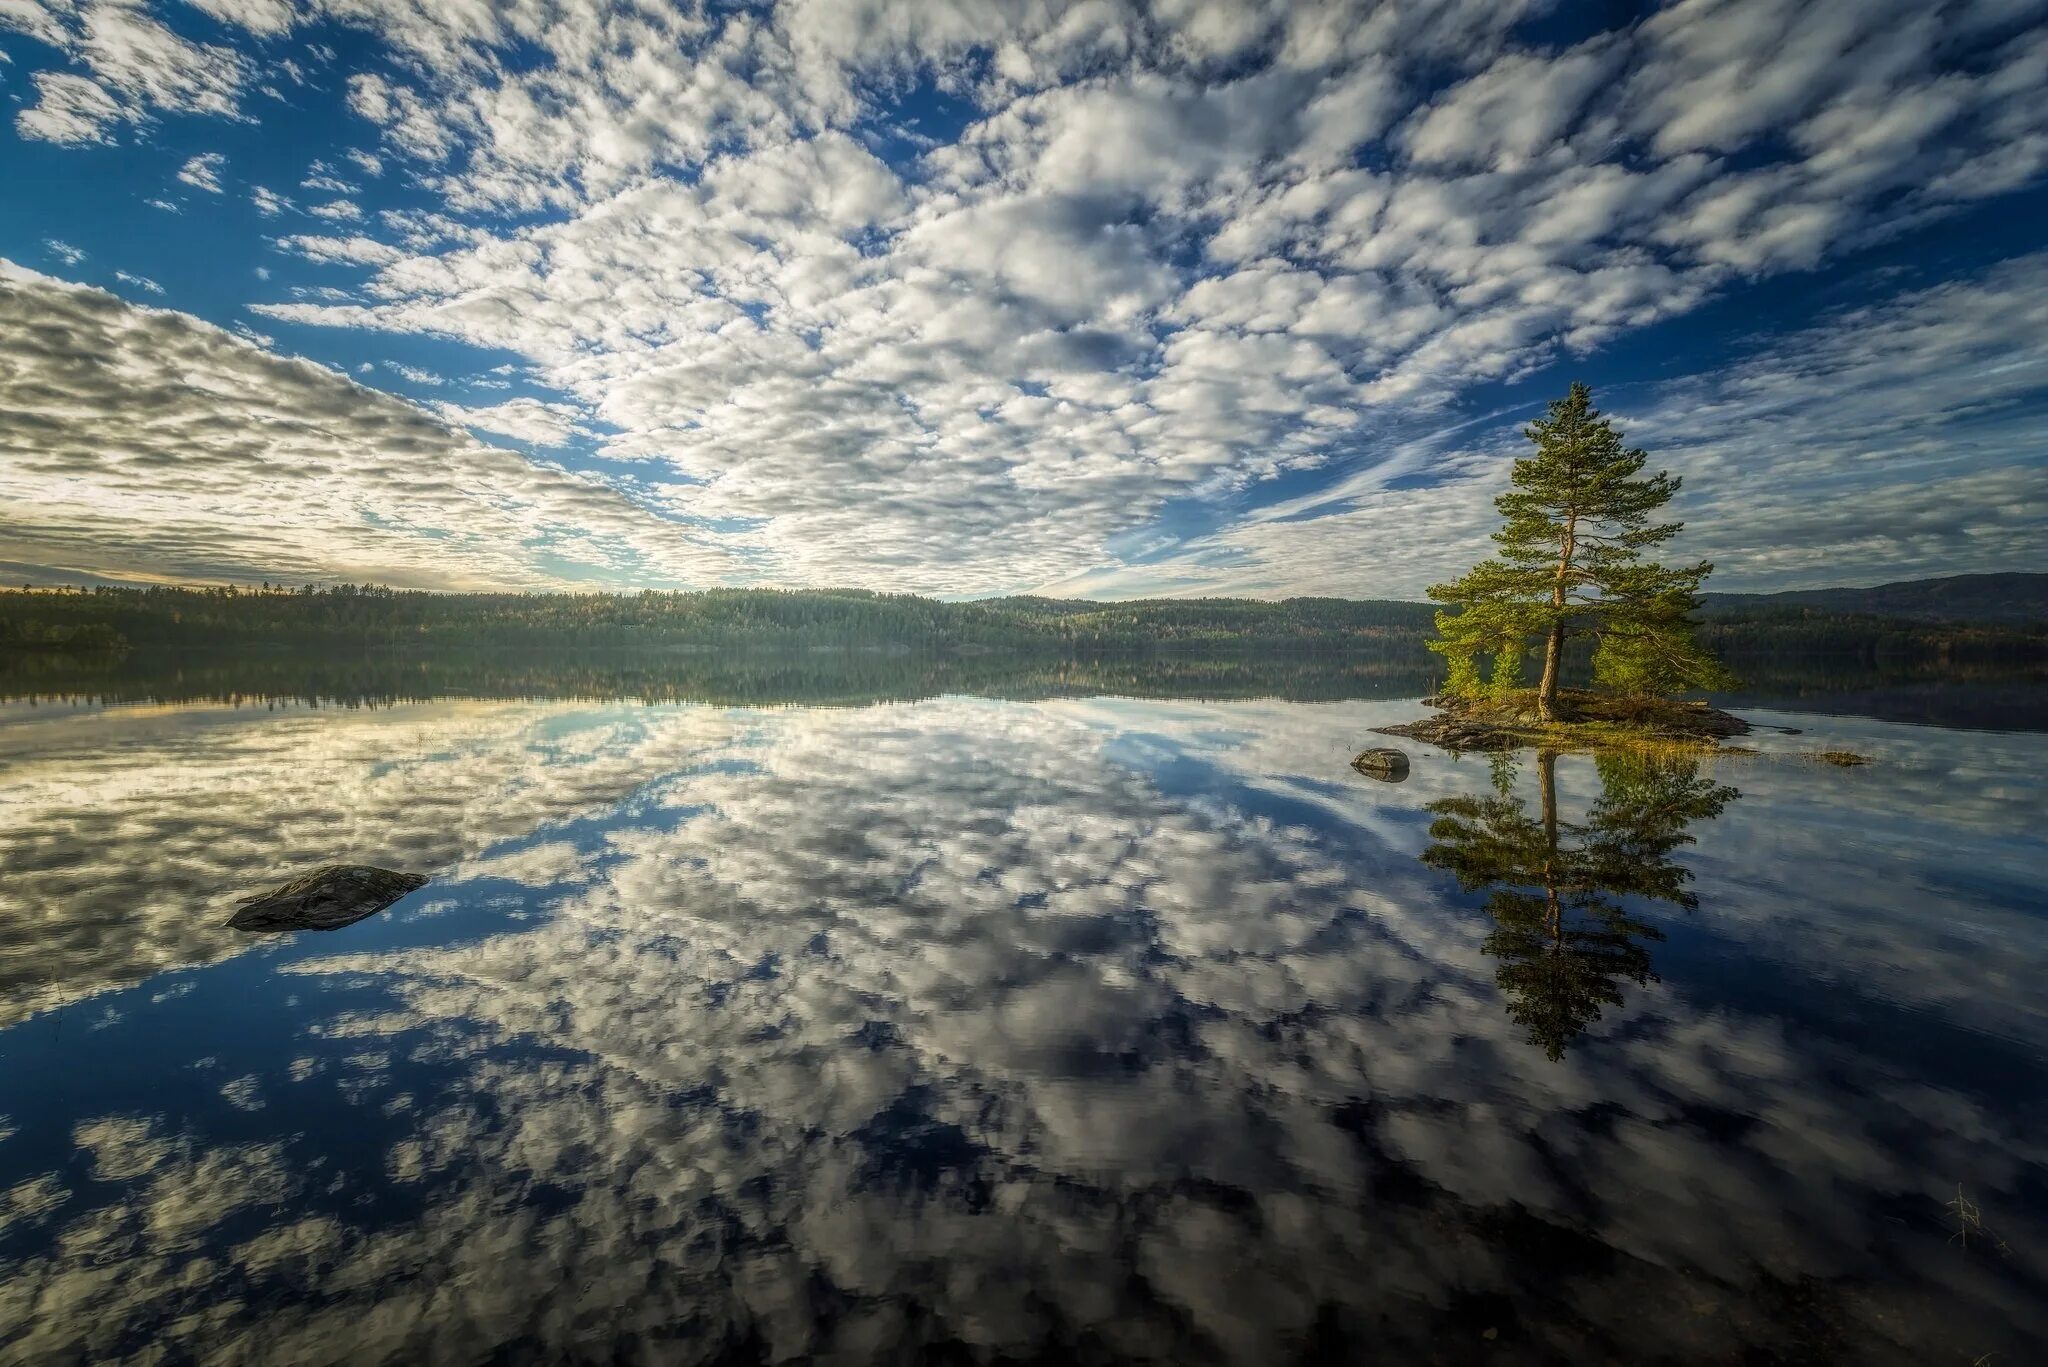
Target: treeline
[375,618]
[36,631]
[186,621]
[1739,634]
[2010,697]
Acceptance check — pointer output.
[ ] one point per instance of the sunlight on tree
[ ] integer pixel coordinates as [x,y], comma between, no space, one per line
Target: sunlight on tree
[1572,562]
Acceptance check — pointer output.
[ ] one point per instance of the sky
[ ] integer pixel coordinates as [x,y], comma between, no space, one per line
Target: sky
[968,297]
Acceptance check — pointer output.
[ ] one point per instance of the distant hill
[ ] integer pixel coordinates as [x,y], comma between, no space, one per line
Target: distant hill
[1981,617]
[2009,599]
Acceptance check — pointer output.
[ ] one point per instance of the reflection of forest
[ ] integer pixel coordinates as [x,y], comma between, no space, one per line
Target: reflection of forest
[1563,935]
[2001,697]
[826,676]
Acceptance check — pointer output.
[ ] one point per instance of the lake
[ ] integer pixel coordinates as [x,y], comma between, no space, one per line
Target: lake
[1041,1028]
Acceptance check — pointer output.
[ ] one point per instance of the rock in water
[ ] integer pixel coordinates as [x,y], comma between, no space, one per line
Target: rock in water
[328,898]
[1386,764]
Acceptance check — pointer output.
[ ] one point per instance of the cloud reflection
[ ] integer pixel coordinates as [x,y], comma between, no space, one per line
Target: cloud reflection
[128,834]
[1048,1032]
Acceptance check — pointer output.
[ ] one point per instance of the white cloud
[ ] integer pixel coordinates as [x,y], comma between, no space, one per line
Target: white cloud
[1514,111]
[209,458]
[134,67]
[523,419]
[64,251]
[268,18]
[68,109]
[1885,442]
[355,251]
[1166,252]
[204,171]
[268,202]
[141,282]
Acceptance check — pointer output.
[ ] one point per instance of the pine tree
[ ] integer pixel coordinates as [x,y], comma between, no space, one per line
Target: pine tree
[1578,523]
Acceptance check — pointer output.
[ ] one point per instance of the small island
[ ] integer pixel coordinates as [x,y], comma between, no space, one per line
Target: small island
[1578,525]
[1583,719]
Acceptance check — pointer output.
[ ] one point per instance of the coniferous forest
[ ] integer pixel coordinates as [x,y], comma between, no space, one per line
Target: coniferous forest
[367,617]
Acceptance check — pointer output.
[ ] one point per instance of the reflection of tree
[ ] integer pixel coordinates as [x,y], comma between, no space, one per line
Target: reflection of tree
[1562,933]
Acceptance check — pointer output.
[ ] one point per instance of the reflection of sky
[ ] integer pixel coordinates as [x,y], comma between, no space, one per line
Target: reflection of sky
[1071,1029]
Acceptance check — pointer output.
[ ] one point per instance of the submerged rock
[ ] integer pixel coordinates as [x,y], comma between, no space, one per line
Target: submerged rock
[1841,759]
[1384,763]
[328,898]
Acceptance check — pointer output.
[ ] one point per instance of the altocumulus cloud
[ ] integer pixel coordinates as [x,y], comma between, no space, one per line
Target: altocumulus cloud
[145,443]
[957,295]
[1884,441]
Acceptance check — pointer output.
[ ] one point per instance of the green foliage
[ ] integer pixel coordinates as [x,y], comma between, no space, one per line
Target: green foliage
[1462,678]
[189,624]
[1491,627]
[1507,673]
[369,616]
[36,633]
[1578,524]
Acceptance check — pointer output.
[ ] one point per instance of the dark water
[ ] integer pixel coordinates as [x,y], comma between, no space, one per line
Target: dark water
[963,1030]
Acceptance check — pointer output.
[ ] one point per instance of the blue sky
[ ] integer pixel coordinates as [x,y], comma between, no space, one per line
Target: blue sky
[966,297]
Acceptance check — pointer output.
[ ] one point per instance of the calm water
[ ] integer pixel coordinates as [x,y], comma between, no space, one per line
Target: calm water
[1079,1030]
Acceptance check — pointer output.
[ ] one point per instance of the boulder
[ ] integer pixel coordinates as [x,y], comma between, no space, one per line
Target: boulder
[1385,763]
[328,898]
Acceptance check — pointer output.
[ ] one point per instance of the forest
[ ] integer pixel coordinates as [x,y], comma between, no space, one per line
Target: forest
[374,617]
[203,622]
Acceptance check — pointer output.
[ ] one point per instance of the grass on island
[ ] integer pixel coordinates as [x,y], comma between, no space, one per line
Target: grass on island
[1588,721]
[1591,721]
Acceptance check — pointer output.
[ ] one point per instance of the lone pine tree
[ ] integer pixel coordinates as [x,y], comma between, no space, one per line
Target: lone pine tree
[1578,522]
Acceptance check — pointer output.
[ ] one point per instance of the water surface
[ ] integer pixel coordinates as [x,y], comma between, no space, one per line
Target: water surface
[1080,1029]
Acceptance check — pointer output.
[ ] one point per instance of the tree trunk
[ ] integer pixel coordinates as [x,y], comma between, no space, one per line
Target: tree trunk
[1553,659]
[1553,646]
